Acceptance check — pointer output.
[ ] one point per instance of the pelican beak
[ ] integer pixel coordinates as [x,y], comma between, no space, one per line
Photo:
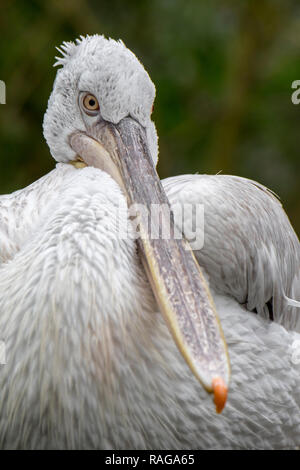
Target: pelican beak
[178,284]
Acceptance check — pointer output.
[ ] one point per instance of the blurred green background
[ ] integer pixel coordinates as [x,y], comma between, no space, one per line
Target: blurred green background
[223,72]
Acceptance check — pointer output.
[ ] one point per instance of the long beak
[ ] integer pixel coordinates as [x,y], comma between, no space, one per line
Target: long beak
[175,276]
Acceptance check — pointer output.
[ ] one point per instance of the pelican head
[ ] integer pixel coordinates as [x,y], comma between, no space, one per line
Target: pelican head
[99,113]
[106,70]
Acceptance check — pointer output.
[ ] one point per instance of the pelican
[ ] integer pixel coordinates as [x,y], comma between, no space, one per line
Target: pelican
[105,348]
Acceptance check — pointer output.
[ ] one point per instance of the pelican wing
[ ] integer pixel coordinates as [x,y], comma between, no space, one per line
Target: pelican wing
[250,250]
[24,211]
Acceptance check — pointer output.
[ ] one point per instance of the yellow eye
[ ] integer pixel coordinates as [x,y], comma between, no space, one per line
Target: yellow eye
[90,103]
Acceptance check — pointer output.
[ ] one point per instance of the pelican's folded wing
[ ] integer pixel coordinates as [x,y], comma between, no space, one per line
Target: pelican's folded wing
[250,249]
[22,211]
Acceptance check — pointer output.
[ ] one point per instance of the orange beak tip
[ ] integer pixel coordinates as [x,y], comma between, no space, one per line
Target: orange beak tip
[220,391]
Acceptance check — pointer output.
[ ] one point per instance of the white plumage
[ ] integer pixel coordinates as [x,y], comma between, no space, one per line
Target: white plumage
[90,361]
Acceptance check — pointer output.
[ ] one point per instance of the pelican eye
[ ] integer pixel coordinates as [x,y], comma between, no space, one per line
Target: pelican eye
[90,103]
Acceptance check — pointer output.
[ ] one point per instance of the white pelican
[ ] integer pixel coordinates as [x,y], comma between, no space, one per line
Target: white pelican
[90,361]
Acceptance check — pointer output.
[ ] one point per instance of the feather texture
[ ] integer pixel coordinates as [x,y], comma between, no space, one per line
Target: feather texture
[89,358]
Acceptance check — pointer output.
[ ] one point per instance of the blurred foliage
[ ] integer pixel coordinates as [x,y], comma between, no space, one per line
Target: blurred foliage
[223,72]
